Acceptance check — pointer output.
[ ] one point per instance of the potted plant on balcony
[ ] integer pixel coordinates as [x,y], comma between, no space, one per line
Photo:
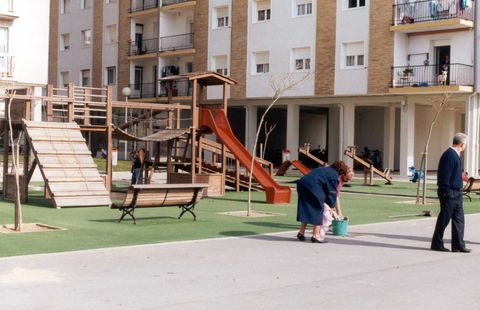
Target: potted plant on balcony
[408,71]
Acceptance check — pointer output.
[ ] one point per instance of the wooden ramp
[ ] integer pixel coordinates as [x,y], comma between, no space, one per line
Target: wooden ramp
[66,164]
[369,169]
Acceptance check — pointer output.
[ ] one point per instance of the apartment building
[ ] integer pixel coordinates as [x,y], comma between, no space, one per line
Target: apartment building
[24,47]
[373,71]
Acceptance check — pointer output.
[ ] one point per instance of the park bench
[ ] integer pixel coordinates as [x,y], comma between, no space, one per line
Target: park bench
[185,196]
[472,186]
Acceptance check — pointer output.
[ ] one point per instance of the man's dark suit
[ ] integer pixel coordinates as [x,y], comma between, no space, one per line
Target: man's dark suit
[450,183]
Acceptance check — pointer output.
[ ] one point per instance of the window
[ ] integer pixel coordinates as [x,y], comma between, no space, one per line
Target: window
[301,59]
[64,78]
[64,6]
[111,34]
[85,77]
[221,17]
[6,5]
[355,3]
[304,7]
[3,40]
[189,67]
[86,38]
[261,62]
[111,75]
[263,10]
[85,4]
[65,42]
[354,54]
[220,64]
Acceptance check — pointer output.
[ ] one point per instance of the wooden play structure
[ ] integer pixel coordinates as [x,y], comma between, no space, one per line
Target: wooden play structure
[368,168]
[76,116]
[305,150]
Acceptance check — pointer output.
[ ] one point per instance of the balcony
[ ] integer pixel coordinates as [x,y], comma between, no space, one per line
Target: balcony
[432,79]
[177,44]
[7,65]
[181,88]
[143,5]
[148,47]
[428,16]
[173,2]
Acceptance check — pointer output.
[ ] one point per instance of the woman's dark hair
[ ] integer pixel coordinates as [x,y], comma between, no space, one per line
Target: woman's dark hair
[341,167]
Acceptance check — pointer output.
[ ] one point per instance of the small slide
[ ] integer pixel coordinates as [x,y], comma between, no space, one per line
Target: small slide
[217,121]
[301,167]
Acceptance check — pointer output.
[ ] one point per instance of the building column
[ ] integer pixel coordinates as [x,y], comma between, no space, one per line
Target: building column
[389,137]
[250,126]
[293,130]
[471,153]
[334,138]
[347,131]
[407,137]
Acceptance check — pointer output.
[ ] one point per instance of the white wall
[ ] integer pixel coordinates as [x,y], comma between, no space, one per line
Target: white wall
[296,32]
[77,58]
[313,130]
[29,41]
[219,43]
[352,26]
[174,23]
[110,50]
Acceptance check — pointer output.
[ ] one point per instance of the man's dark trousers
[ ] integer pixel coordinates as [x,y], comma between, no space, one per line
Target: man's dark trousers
[451,206]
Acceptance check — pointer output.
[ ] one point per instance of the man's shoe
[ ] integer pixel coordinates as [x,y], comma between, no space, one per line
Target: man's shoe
[300,237]
[462,250]
[442,249]
[315,240]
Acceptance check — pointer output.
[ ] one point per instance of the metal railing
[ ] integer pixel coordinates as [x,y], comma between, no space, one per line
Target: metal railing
[144,47]
[422,11]
[7,65]
[153,90]
[170,2]
[142,5]
[432,75]
[176,42]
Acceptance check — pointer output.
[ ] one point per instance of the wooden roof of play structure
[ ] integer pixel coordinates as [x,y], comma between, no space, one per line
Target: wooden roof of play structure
[66,164]
[206,78]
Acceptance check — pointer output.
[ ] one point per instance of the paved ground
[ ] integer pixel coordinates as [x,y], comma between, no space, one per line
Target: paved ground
[381,266]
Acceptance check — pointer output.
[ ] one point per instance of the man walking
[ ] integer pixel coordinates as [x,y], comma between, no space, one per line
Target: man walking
[450,183]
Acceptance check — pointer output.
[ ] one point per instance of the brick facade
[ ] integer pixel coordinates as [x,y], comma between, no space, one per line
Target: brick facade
[97,44]
[325,48]
[380,52]
[53,43]
[200,59]
[124,31]
[238,65]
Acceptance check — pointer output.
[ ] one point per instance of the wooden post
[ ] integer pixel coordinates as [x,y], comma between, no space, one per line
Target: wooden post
[6,153]
[237,175]
[49,103]
[86,113]
[71,98]
[371,174]
[26,162]
[169,159]
[224,149]
[193,129]
[200,141]
[108,121]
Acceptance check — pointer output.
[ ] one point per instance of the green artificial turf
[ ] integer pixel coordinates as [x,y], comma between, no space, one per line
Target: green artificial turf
[97,227]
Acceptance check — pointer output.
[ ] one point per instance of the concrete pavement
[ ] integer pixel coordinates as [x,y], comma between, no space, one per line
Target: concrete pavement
[380,266]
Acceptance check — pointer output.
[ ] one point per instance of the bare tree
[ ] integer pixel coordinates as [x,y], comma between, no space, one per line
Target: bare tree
[439,107]
[279,85]
[18,226]
[268,131]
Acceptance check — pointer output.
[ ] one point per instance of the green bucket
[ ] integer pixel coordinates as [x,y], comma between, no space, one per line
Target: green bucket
[340,227]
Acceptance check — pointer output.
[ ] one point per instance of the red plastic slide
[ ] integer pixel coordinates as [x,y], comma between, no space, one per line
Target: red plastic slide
[217,121]
[301,167]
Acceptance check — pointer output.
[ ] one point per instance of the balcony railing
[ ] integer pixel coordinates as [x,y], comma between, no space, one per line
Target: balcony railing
[170,2]
[432,75]
[153,90]
[142,5]
[424,11]
[7,65]
[144,47]
[176,42]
